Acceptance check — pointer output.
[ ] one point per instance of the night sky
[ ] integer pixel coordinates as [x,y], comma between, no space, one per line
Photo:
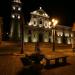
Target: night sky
[63,11]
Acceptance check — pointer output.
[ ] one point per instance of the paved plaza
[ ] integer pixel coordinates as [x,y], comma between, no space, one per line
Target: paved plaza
[10,63]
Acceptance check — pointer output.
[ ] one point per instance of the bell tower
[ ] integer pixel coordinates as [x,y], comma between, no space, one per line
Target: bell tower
[15,31]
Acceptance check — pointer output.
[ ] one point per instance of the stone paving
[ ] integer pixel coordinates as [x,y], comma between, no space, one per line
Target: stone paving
[11,65]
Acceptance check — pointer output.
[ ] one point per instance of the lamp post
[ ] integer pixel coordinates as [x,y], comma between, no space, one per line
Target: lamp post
[54,23]
[22,39]
[22,34]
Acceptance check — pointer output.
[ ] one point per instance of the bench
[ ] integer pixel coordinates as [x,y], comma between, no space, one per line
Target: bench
[60,60]
[26,62]
[32,59]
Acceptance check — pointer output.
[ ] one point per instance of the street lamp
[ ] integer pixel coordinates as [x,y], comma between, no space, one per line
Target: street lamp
[22,33]
[54,23]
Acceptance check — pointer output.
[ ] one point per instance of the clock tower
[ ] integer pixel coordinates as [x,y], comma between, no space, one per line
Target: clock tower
[15,32]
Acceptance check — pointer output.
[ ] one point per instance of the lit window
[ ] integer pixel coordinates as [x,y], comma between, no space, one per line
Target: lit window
[68,41]
[67,34]
[25,39]
[34,22]
[59,40]
[59,33]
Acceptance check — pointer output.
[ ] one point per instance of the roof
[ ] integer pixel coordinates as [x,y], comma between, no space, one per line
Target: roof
[17,1]
[61,27]
[40,12]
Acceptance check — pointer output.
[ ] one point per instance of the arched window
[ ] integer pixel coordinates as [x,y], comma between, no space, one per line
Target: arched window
[34,22]
[40,22]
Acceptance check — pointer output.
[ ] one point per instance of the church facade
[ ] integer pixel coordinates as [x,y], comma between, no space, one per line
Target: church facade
[39,28]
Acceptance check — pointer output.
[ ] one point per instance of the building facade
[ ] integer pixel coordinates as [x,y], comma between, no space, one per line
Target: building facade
[39,29]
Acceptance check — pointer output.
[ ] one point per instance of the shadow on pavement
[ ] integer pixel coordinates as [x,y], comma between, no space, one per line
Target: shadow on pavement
[51,66]
[34,70]
[29,71]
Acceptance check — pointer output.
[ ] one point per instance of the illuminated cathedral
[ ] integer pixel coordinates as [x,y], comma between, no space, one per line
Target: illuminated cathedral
[39,28]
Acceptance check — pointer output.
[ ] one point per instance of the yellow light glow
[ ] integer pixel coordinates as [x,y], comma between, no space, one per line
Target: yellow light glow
[54,21]
[67,34]
[59,33]
[40,25]
[46,40]
[59,40]
[30,24]
[13,16]
[71,34]
[18,16]
[49,23]
[25,39]
[19,8]
[14,8]
[46,26]
[34,40]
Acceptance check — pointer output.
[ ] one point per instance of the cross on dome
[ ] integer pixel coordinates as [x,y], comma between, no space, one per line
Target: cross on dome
[40,7]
